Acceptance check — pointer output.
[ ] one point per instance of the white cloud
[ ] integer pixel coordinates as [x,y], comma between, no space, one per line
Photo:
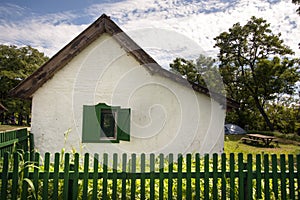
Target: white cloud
[47,33]
[46,37]
[198,22]
[201,21]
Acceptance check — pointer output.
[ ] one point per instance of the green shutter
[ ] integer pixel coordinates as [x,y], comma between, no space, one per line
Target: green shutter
[123,124]
[90,125]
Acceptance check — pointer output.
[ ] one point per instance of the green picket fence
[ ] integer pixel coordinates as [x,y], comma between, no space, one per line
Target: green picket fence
[13,140]
[71,176]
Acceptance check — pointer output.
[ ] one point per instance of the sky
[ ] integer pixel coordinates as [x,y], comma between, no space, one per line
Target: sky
[166,29]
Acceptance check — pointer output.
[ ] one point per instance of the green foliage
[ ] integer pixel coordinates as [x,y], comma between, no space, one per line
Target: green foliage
[284,114]
[297,2]
[16,64]
[254,69]
[254,72]
[202,71]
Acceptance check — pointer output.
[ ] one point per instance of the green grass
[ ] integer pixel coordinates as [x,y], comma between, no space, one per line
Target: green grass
[234,145]
[288,144]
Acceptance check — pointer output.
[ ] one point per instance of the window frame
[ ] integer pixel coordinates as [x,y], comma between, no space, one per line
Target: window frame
[92,131]
[114,113]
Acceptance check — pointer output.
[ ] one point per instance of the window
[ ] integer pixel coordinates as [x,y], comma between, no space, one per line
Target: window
[107,124]
[103,123]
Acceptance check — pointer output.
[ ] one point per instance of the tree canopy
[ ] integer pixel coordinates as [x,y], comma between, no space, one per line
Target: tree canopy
[297,2]
[257,70]
[253,65]
[16,63]
[203,71]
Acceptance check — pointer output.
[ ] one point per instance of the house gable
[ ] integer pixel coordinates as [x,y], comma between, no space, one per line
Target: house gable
[103,25]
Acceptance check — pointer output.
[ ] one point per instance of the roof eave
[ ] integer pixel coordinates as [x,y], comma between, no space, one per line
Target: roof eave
[29,85]
[103,25]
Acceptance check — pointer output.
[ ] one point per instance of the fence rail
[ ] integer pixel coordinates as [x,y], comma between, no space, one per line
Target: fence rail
[71,176]
[14,140]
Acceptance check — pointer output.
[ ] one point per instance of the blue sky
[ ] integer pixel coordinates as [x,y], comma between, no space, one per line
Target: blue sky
[164,28]
[53,6]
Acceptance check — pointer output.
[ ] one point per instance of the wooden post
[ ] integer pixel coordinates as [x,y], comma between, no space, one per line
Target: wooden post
[31,142]
[31,146]
[245,181]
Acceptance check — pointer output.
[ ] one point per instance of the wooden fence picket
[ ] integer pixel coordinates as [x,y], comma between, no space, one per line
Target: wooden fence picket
[143,176]
[124,169]
[161,176]
[275,176]
[291,176]
[152,172]
[95,177]
[223,176]
[283,177]
[249,184]
[170,175]
[85,176]
[197,176]
[298,175]
[267,178]
[56,175]
[66,177]
[75,179]
[114,176]
[215,176]
[206,176]
[179,176]
[104,178]
[36,172]
[258,176]
[15,176]
[188,176]
[4,175]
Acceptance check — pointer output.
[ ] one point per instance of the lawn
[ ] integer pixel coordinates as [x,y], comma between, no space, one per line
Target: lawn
[234,145]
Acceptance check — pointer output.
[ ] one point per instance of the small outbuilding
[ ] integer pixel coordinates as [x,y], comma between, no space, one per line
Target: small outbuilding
[102,93]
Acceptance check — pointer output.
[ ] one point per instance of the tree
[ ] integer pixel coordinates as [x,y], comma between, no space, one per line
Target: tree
[202,71]
[284,114]
[297,2]
[15,65]
[253,67]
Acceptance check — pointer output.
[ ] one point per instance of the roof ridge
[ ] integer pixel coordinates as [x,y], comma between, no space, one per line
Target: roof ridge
[102,25]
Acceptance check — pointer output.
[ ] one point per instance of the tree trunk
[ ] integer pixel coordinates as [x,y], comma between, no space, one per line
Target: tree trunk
[264,114]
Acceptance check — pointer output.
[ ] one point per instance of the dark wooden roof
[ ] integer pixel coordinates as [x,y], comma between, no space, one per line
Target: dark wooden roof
[103,25]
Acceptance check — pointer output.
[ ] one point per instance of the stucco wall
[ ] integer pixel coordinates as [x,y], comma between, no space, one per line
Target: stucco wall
[166,117]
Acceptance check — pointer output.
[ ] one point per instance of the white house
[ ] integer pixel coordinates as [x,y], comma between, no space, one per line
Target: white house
[113,97]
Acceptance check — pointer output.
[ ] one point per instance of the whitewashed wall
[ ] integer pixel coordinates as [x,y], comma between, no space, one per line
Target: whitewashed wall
[166,117]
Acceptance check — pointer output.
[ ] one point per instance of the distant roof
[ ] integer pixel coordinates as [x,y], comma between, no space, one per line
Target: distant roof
[104,25]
